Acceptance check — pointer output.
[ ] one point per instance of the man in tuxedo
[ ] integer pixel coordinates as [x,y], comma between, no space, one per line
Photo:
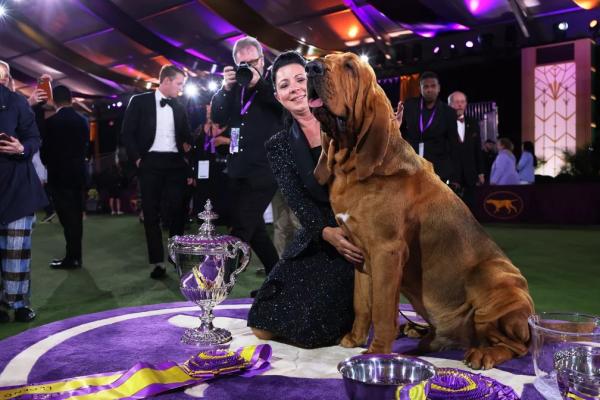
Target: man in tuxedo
[467,155]
[65,141]
[156,134]
[429,125]
[253,115]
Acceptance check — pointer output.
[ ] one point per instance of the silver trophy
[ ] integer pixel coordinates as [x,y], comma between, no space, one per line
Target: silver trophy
[208,265]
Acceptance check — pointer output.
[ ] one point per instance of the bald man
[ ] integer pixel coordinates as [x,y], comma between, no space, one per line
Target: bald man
[467,156]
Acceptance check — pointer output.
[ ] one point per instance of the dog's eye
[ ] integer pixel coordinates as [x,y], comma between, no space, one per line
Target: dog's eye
[349,66]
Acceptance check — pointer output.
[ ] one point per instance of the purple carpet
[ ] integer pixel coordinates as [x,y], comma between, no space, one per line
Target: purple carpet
[115,340]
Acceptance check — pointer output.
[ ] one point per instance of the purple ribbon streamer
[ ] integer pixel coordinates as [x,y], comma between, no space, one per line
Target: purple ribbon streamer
[421,118]
[245,107]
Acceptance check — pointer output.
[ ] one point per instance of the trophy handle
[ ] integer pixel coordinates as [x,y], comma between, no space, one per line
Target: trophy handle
[245,249]
[171,251]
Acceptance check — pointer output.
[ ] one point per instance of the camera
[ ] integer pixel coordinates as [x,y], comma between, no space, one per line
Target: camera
[243,74]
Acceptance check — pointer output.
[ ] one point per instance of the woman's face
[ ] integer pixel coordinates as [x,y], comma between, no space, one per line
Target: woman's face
[290,88]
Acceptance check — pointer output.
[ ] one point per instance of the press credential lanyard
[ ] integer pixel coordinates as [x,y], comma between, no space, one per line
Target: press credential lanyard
[423,129]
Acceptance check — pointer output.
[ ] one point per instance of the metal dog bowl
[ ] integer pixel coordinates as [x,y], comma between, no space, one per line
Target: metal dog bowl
[386,377]
[578,372]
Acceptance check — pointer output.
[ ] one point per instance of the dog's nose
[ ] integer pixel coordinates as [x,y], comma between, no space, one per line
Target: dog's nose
[315,68]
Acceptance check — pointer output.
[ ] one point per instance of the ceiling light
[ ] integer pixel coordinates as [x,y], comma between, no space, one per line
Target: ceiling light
[190,90]
[563,26]
[353,31]
[469,44]
[436,49]
[212,86]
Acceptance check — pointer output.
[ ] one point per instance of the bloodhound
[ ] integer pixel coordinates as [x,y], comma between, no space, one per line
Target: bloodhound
[417,236]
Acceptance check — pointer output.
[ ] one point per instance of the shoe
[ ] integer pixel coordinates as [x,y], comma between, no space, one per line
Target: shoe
[4,317]
[24,314]
[113,213]
[158,272]
[67,264]
[49,217]
[260,270]
[56,261]
[119,212]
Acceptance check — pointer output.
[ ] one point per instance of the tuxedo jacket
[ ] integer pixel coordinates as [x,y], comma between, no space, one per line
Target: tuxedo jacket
[65,142]
[467,155]
[438,138]
[139,125]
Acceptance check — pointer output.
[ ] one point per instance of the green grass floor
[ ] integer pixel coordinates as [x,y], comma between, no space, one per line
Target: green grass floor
[561,264]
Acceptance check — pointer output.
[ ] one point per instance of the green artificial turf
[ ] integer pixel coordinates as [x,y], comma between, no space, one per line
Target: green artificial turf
[562,266]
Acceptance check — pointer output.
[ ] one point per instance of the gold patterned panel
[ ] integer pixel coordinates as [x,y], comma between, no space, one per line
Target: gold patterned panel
[555,128]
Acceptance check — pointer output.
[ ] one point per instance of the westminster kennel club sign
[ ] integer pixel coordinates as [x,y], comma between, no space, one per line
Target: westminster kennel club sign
[503,205]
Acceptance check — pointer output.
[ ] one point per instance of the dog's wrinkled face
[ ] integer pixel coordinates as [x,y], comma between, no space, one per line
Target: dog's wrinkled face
[344,96]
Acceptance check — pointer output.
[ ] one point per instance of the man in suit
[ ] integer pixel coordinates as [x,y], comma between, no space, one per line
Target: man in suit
[253,115]
[429,125]
[21,194]
[64,144]
[467,155]
[156,134]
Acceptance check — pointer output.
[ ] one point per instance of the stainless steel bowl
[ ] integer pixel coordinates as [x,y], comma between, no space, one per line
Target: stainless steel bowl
[386,377]
[578,372]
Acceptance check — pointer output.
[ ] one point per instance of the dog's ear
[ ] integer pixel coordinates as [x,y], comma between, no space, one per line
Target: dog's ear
[324,169]
[374,129]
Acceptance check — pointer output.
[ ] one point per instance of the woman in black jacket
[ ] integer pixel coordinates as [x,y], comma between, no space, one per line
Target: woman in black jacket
[307,299]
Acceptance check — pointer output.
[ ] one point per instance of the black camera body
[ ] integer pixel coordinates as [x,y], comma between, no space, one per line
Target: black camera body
[243,74]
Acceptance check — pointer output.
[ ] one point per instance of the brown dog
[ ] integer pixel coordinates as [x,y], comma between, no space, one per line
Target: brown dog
[418,237]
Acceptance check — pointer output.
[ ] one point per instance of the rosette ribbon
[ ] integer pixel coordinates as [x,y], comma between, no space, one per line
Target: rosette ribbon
[144,380]
[456,384]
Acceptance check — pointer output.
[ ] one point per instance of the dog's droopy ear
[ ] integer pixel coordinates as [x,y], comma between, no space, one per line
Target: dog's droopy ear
[374,134]
[324,169]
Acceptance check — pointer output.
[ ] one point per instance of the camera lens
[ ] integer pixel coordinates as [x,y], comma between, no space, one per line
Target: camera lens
[243,74]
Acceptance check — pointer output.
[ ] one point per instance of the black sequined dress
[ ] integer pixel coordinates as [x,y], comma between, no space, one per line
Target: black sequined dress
[307,298]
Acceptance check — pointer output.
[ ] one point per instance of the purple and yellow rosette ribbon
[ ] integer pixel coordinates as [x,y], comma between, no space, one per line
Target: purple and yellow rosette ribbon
[415,391]
[456,384]
[144,380]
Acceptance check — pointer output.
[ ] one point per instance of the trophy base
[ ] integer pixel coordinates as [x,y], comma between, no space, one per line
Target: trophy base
[214,338]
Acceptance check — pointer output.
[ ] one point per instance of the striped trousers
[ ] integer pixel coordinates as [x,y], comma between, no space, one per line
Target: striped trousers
[15,255]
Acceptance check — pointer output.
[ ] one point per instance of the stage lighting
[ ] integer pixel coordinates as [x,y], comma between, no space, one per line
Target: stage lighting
[2,11]
[190,90]
[452,46]
[436,49]
[364,58]
[594,26]
[213,86]
[213,69]
[560,30]
[119,104]
[469,44]
[562,26]
[148,85]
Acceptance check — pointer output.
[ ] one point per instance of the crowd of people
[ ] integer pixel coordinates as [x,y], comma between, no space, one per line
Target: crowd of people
[259,145]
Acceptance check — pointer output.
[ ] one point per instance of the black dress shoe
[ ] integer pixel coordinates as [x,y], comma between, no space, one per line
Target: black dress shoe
[24,314]
[56,261]
[67,264]
[158,272]
[4,317]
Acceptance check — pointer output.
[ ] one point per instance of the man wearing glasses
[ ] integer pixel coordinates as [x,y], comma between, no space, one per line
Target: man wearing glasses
[252,115]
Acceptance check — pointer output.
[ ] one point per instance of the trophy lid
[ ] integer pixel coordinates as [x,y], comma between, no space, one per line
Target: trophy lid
[206,242]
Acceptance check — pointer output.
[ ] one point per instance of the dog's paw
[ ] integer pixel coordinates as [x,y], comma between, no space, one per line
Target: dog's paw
[486,357]
[349,341]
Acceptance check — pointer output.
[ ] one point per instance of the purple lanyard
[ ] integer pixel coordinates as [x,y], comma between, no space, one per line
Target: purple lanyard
[421,118]
[247,105]
[209,142]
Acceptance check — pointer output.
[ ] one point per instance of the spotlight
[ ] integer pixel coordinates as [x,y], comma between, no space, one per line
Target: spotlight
[353,31]
[364,58]
[148,85]
[469,44]
[190,90]
[212,86]
[452,46]
[562,26]
[560,30]
[594,27]
[213,69]
[119,104]
[114,104]
[2,11]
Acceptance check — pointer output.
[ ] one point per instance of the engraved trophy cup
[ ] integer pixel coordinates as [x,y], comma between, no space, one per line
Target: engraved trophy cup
[208,265]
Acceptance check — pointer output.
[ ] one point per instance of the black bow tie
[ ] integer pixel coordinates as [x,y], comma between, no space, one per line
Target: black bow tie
[165,101]
[461,118]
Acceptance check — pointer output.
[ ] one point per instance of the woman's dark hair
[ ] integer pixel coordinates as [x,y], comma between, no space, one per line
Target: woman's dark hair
[528,146]
[286,58]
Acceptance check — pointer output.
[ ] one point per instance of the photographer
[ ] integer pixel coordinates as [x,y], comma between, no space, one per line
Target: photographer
[247,105]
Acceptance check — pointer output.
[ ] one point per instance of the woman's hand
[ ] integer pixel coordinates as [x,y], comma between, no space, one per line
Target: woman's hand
[11,145]
[336,237]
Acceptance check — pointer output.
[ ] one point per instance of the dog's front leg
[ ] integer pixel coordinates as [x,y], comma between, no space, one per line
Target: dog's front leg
[386,274]
[362,311]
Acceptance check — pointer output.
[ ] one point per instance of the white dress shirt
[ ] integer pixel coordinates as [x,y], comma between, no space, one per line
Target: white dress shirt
[461,129]
[164,137]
